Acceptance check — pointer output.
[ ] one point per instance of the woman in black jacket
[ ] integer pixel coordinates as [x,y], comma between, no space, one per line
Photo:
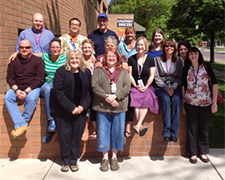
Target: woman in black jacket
[72,98]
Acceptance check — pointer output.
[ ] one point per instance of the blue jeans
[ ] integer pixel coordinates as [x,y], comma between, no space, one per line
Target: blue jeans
[23,119]
[110,127]
[47,93]
[170,111]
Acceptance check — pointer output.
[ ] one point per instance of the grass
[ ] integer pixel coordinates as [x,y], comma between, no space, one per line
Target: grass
[217,123]
[218,66]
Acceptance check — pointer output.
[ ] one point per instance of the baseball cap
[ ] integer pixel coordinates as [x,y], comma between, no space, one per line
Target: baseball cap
[102,15]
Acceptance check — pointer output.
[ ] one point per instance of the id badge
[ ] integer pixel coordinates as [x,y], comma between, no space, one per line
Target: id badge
[113,88]
[140,83]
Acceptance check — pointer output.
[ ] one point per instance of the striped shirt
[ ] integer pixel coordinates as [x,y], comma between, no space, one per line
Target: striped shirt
[51,67]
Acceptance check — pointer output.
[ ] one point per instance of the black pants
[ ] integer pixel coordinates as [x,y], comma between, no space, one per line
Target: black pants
[69,132]
[197,122]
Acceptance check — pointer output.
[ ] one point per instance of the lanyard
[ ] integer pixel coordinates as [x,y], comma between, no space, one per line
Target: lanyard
[140,68]
[112,76]
[196,76]
[37,41]
[72,43]
[168,72]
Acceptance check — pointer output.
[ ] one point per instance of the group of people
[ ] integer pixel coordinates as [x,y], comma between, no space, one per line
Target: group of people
[110,83]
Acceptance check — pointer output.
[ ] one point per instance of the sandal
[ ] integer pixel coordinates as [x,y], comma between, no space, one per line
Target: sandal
[136,129]
[85,135]
[143,131]
[127,134]
[93,135]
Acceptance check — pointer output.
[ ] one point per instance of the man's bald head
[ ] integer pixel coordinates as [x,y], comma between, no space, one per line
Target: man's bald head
[25,48]
[37,21]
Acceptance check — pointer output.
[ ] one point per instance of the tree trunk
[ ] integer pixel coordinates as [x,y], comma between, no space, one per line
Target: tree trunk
[212,44]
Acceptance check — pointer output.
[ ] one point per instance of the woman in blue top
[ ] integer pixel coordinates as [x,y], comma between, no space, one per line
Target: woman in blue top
[155,49]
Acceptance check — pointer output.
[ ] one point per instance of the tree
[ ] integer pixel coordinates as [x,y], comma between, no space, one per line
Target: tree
[197,20]
[151,14]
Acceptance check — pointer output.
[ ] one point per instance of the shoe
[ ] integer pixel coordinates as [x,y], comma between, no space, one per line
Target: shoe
[166,139]
[136,129]
[48,137]
[193,160]
[64,168]
[204,158]
[174,139]
[93,135]
[143,131]
[114,165]
[51,126]
[127,134]
[19,131]
[85,135]
[74,168]
[104,165]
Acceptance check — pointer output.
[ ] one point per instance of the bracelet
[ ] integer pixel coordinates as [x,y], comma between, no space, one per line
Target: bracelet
[25,91]
[214,103]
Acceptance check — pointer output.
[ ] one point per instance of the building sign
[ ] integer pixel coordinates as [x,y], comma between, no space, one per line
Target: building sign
[125,22]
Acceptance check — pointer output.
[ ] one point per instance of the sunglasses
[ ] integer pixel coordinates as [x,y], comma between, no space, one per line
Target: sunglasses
[25,47]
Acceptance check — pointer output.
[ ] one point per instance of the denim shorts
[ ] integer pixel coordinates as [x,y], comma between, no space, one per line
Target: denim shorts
[110,127]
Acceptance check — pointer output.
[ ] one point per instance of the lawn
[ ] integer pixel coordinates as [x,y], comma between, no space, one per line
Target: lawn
[217,123]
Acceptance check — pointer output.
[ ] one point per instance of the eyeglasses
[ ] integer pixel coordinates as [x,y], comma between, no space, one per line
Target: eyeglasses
[76,25]
[24,47]
[52,47]
[169,46]
[111,56]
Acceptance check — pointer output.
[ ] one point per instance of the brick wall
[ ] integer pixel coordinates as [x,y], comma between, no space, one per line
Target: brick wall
[17,14]
[30,146]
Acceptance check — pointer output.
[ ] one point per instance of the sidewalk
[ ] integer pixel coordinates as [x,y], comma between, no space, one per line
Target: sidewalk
[135,168]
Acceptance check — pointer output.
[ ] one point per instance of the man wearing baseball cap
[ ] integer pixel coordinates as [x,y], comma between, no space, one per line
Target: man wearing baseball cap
[98,35]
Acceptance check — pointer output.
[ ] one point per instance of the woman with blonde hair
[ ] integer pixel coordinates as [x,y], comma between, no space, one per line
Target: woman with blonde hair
[142,73]
[71,87]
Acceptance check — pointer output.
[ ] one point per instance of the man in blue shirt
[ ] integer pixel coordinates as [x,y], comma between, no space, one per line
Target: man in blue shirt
[98,35]
[37,35]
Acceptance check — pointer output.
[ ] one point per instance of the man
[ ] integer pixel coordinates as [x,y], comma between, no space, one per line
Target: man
[37,35]
[25,75]
[98,36]
[72,40]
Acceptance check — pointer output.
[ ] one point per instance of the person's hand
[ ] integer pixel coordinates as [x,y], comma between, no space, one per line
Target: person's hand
[115,104]
[110,98]
[75,111]
[214,108]
[142,89]
[80,109]
[170,92]
[98,65]
[125,66]
[21,95]
[12,57]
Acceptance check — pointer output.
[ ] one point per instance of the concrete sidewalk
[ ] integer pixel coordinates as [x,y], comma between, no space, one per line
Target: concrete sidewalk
[135,168]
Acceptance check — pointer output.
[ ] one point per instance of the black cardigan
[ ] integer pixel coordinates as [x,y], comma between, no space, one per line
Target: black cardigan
[63,88]
[210,72]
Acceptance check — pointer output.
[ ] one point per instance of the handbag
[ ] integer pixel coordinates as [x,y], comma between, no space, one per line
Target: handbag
[220,95]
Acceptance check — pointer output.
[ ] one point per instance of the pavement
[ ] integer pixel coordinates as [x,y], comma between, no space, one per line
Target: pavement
[134,168]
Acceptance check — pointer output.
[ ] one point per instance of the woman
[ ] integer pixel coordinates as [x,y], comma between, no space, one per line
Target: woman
[71,87]
[168,80]
[111,87]
[89,59]
[183,48]
[142,72]
[52,62]
[128,48]
[155,49]
[199,103]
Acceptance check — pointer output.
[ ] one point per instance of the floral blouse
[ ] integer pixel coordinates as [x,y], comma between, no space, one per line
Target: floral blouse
[198,92]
